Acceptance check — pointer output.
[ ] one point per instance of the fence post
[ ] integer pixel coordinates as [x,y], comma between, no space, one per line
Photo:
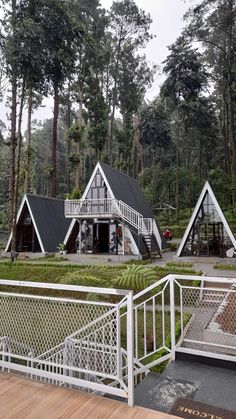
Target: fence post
[172,317]
[130,348]
[118,343]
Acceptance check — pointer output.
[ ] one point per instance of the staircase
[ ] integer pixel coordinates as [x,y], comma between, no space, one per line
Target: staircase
[151,246]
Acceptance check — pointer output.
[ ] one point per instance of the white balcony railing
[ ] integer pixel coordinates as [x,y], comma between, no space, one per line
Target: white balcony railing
[108,207]
[90,207]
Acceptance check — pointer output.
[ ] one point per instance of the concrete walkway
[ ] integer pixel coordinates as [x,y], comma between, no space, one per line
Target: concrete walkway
[203,264]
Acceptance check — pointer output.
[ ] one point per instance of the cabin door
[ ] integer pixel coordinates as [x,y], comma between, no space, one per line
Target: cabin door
[101,238]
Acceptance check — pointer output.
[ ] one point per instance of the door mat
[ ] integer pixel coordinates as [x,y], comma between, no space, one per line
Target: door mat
[192,409]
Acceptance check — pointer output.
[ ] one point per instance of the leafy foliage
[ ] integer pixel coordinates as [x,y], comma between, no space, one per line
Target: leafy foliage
[90,60]
[135,277]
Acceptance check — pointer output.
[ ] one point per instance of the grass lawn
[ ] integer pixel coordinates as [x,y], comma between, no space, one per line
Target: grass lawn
[91,275]
[54,272]
[224,267]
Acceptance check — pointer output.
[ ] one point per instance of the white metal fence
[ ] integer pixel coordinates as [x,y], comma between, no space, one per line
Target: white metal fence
[65,340]
[208,316]
[108,347]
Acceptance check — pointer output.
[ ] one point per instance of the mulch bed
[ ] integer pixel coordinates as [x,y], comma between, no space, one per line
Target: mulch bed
[227,318]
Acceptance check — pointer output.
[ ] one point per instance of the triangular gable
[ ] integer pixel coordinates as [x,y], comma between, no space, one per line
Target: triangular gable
[98,170]
[207,208]
[23,203]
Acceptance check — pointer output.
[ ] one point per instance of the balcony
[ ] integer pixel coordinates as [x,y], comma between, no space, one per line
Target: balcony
[90,208]
[108,208]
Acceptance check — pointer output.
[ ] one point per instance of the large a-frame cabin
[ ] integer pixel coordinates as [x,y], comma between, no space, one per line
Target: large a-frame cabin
[112,217]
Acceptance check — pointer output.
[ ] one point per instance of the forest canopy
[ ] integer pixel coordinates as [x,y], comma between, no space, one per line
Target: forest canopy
[92,62]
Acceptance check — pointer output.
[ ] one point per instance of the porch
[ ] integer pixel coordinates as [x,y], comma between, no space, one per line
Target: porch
[22,398]
[109,226]
[108,344]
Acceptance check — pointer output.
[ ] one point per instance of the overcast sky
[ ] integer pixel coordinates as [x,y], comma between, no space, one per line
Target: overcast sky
[167,16]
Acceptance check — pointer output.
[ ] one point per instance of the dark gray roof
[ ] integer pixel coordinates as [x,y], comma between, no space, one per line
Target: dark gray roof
[127,190]
[49,217]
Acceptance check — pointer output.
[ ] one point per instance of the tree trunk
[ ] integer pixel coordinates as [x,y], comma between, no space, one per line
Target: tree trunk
[13,140]
[13,144]
[189,167]
[54,142]
[78,144]
[231,80]
[225,132]
[200,161]
[17,172]
[177,169]
[114,99]
[68,122]
[28,146]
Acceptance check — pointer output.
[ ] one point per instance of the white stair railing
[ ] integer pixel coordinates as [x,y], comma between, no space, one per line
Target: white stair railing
[130,215]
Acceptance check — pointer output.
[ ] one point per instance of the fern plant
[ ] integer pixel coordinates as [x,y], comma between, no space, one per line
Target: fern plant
[135,277]
[83,279]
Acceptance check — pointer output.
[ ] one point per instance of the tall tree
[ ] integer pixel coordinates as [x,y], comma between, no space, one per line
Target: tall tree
[91,20]
[11,48]
[59,33]
[186,77]
[130,26]
[213,23]
[134,79]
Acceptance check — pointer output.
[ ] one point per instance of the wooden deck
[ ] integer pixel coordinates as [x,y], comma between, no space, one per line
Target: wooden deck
[22,398]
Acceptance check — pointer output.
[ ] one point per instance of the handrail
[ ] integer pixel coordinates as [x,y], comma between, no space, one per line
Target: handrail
[65,287]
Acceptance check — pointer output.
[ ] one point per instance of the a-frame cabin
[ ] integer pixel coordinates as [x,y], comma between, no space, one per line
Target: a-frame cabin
[207,233]
[41,225]
[112,217]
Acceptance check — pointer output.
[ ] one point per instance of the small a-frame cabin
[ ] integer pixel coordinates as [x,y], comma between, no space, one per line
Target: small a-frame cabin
[41,225]
[112,217]
[207,233]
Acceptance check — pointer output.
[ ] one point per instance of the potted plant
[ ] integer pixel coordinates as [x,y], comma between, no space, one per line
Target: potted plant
[62,248]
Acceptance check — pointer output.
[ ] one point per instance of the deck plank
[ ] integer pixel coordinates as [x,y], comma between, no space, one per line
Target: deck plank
[22,398]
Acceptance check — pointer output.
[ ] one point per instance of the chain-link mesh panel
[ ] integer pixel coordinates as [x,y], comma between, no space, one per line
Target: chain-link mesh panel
[94,348]
[212,314]
[36,324]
